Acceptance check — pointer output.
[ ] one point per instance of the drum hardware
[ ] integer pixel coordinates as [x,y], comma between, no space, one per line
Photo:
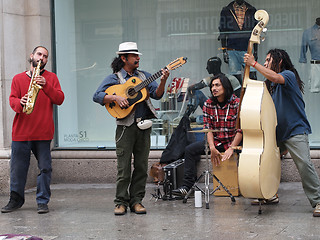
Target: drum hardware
[207,174]
[157,193]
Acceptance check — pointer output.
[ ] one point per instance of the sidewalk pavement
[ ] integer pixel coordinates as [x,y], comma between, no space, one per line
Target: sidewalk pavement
[85,211]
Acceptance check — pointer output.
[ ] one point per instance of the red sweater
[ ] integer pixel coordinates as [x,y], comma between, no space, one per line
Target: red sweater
[39,124]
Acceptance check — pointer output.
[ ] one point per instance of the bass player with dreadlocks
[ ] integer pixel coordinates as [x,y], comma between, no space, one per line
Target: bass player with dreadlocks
[286,89]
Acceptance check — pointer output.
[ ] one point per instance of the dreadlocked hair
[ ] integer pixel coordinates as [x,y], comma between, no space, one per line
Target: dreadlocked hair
[280,62]
[117,63]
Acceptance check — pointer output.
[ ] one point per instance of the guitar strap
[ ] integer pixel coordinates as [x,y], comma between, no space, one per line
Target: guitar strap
[148,101]
[121,79]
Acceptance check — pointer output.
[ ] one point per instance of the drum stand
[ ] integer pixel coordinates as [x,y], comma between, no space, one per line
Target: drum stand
[157,193]
[207,174]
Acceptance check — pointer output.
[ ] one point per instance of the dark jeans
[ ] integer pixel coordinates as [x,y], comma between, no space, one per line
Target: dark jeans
[19,166]
[192,156]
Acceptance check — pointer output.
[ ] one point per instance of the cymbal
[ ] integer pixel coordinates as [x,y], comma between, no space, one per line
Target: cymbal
[205,130]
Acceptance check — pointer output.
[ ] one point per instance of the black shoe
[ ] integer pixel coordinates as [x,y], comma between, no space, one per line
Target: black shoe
[42,208]
[181,191]
[15,202]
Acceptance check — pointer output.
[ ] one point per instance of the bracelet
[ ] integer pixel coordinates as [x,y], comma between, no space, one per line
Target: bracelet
[254,64]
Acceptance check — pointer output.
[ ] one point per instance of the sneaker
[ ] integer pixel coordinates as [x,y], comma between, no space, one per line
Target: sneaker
[15,202]
[42,208]
[120,210]
[316,212]
[181,191]
[273,200]
[138,209]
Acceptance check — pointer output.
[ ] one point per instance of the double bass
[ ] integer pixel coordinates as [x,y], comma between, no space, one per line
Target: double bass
[259,167]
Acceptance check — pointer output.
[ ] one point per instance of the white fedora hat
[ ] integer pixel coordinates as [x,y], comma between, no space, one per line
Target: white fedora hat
[128,47]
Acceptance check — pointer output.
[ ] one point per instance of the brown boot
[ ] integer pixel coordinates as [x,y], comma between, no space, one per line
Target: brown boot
[316,212]
[138,208]
[120,210]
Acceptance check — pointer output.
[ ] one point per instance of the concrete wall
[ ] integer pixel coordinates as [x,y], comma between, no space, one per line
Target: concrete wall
[24,24]
[100,166]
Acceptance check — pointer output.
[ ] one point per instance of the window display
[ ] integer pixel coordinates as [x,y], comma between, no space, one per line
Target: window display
[87,32]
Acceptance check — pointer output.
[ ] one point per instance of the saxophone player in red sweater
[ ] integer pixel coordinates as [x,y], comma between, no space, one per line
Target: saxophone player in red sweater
[32,132]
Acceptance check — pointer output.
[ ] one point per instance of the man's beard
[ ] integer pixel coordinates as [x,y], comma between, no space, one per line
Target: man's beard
[35,64]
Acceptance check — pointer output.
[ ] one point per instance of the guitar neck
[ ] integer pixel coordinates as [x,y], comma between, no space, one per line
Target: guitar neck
[147,81]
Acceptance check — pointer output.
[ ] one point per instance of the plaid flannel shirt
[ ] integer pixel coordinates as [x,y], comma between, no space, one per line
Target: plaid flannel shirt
[222,119]
[240,11]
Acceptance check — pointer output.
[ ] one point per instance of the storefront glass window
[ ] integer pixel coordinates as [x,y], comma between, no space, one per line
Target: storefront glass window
[88,33]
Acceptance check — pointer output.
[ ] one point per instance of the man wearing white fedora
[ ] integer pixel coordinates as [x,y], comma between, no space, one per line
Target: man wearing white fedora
[132,137]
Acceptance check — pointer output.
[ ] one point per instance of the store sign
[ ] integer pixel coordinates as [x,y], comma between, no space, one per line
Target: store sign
[207,22]
[189,23]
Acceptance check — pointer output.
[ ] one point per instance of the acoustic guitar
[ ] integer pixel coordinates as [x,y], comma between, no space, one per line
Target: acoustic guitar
[259,162]
[134,89]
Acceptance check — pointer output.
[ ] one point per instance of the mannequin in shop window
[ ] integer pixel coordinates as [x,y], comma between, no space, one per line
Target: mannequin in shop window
[197,97]
[311,41]
[236,23]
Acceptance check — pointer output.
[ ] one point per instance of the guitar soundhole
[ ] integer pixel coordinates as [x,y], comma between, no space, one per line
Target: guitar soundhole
[131,92]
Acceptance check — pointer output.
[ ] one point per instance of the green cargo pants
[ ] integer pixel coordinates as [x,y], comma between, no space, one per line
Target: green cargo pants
[298,147]
[131,141]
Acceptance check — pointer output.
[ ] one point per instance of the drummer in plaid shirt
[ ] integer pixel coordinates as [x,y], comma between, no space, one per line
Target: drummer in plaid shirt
[219,113]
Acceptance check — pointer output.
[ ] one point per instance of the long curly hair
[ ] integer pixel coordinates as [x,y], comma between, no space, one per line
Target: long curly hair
[280,62]
[117,63]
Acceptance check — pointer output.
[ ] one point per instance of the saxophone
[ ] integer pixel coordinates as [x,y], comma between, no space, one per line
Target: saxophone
[33,90]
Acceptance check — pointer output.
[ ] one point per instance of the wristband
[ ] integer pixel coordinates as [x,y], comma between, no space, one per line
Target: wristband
[254,64]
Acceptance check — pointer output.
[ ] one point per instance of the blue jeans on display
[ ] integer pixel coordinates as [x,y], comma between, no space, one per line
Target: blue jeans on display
[314,79]
[198,99]
[19,166]
[236,63]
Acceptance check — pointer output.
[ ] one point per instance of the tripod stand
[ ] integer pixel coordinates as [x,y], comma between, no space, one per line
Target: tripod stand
[207,174]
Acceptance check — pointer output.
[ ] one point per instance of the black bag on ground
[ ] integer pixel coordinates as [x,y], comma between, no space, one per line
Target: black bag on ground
[180,138]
